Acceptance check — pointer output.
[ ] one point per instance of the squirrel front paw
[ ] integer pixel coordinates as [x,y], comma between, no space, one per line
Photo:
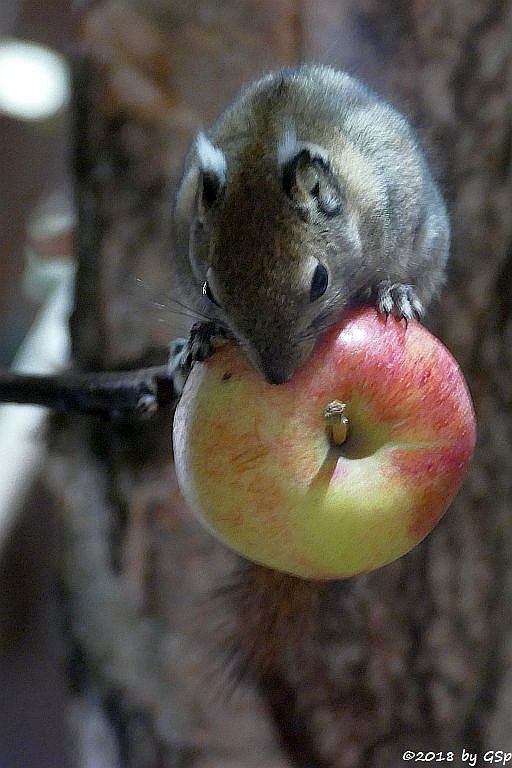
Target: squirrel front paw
[399,298]
[198,347]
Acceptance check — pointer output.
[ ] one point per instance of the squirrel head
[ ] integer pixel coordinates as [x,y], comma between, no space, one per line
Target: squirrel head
[269,240]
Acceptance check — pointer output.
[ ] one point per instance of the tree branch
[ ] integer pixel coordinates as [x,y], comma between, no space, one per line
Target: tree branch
[129,394]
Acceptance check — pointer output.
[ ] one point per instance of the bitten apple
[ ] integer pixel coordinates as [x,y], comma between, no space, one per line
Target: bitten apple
[256,464]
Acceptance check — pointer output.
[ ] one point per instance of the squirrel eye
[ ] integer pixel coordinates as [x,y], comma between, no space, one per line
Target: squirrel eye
[207,291]
[319,283]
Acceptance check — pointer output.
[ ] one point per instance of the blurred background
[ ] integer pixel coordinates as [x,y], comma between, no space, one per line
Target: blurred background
[36,224]
[106,650]
[36,201]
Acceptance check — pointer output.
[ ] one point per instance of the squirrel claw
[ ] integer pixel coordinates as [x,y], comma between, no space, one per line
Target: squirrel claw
[400,299]
[200,345]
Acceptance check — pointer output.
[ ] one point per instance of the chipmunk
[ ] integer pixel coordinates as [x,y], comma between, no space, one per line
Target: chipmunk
[308,195]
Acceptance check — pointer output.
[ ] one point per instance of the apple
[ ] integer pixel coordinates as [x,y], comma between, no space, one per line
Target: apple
[257,463]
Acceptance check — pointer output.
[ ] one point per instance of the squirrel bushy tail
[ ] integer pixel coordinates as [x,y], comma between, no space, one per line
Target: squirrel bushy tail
[273,615]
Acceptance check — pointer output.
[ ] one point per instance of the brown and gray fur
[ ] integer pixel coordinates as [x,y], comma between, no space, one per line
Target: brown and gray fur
[307,176]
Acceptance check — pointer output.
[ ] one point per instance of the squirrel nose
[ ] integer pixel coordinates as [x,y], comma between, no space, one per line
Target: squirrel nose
[279,362]
[277,377]
[275,372]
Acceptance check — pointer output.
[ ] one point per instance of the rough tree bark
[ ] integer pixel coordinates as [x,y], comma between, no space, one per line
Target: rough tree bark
[416,655]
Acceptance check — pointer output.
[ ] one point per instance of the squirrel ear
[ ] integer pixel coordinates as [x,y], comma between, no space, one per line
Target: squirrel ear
[306,176]
[212,170]
[203,182]
[185,199]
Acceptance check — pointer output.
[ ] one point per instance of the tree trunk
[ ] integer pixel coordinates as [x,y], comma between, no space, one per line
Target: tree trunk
[162,618]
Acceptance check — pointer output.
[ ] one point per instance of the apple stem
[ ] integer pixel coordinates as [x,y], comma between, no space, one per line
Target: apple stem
[336,422]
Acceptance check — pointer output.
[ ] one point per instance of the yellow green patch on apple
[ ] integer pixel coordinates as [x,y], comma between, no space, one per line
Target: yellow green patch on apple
[327,494]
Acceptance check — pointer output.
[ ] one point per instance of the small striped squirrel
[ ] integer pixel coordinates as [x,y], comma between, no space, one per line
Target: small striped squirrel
[309,194]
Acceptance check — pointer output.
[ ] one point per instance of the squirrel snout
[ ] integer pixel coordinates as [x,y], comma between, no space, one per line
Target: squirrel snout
[277,376]
[278,368]
[275,368]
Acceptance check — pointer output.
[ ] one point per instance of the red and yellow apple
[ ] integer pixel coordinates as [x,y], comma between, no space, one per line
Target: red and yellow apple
[256,465]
